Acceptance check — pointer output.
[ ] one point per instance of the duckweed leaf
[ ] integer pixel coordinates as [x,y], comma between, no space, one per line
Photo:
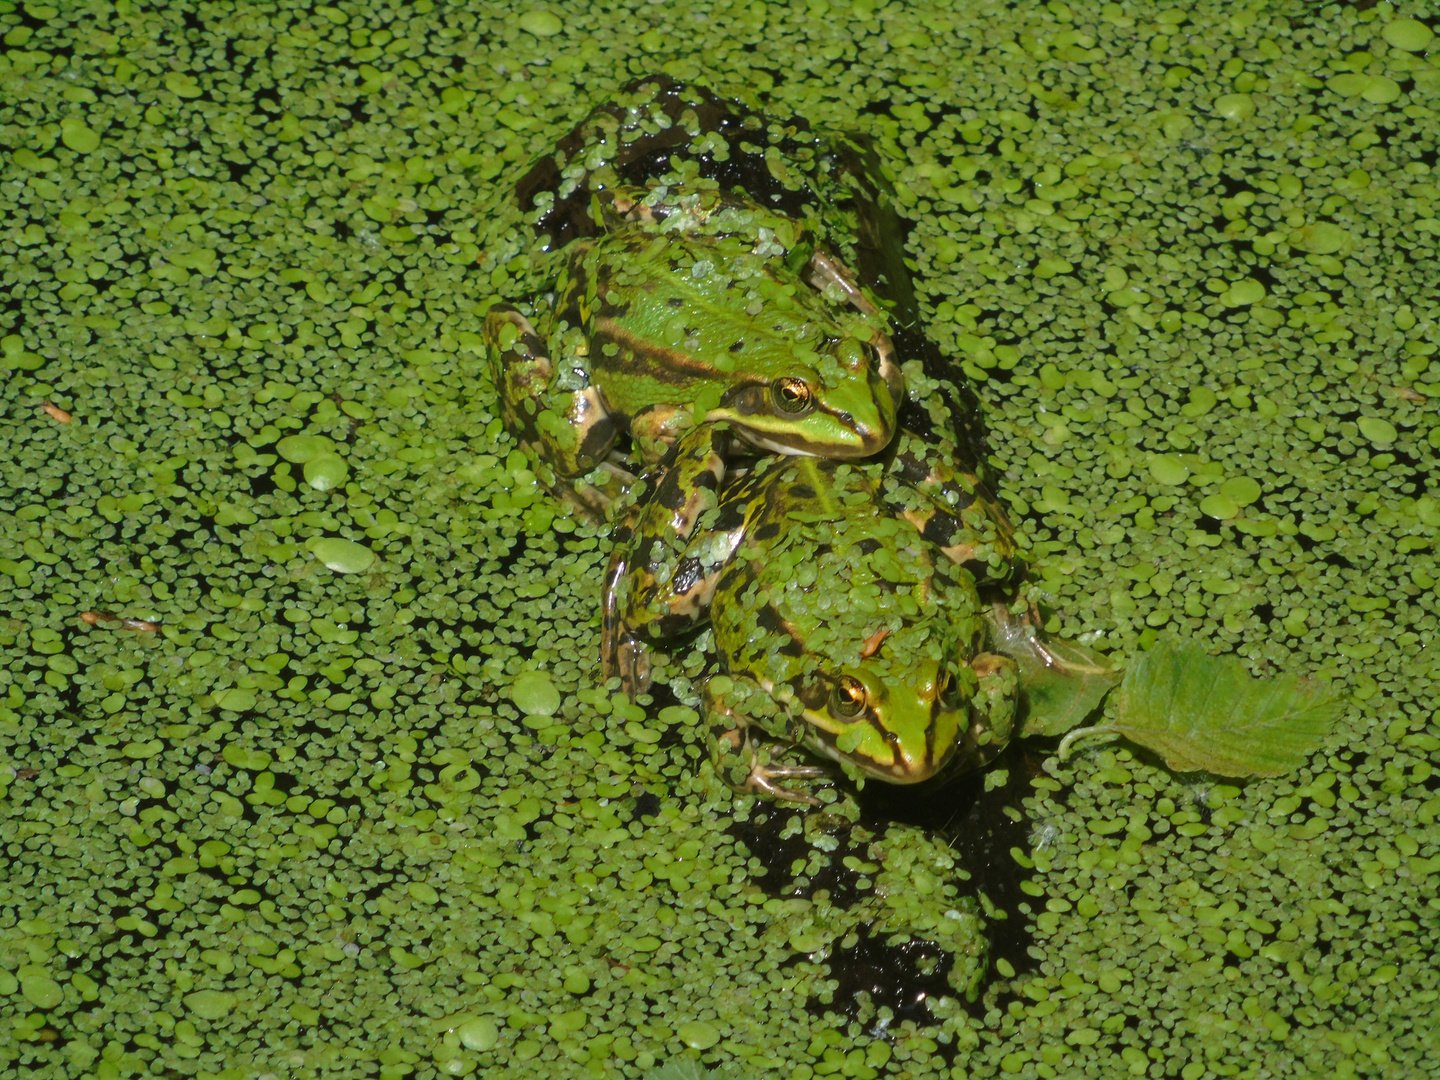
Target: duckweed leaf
[41,991]
[1201,712]
[534,694]
[342,556]
[210,1004]
[235,699]
[698,1034]
[326,471]
[301,448]
[478,1033]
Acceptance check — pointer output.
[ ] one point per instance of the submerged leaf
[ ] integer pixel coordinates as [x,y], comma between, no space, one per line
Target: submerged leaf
[678,1069]
[1201,712]
[1061,682]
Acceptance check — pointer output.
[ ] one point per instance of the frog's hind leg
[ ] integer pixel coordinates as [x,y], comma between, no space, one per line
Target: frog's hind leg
[662,575]
[558,418]
[952,509]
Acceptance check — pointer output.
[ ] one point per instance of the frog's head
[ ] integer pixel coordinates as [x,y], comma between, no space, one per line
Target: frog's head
[841,404]
[900,726]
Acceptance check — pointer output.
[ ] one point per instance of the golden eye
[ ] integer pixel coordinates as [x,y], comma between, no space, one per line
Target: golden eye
[792,395]
[847,699]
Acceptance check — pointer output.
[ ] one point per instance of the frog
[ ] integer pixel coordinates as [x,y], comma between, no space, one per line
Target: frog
[844,600]
[693,307]
[739,188]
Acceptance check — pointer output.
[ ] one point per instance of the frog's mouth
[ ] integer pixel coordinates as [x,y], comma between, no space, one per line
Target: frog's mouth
[884,754]
[865,445]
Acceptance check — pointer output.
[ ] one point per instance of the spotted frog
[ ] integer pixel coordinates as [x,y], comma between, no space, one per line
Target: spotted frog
[682,302]
[844,603]
[696,309]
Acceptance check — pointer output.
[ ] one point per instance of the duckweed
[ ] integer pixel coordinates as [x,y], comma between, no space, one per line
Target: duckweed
[294,810]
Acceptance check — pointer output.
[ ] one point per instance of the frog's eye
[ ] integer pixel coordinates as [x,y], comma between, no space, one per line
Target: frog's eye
[792,396]
[847,699]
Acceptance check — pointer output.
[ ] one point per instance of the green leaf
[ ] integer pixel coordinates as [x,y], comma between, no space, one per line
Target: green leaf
[679,1069]
[1200,712]
[1061,682]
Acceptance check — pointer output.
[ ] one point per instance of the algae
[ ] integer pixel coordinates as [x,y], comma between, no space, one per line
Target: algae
[262,816]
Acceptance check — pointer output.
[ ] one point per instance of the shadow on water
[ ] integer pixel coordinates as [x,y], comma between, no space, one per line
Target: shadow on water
[980,826]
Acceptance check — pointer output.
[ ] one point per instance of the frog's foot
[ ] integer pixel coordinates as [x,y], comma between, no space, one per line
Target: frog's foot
[621,652]
[743,761]
[762,781]
[825,270]
[734,746]
[597,492]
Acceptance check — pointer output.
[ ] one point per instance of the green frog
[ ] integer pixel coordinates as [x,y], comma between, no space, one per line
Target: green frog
[844,603]
[693,306]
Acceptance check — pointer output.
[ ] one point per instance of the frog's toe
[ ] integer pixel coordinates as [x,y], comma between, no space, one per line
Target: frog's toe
[632,664]
[763,781]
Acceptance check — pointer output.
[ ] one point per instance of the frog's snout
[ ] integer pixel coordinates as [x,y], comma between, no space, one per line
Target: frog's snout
[925,756]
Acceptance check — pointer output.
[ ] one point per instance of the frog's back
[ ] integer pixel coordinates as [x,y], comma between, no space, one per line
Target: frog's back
[824,548]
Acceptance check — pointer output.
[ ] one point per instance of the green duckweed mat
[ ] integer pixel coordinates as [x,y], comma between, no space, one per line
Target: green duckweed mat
[325,785]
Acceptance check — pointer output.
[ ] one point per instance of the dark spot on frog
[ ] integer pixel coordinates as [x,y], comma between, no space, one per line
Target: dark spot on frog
[767,532]
[941,529]
[675,302]
[911,469]
[769,620]
[729,579]
[670,494]
[747,400]
[730,516]
[802,492]
[689,572]
[791,648]
[598,439]
[812,692]
[738,345]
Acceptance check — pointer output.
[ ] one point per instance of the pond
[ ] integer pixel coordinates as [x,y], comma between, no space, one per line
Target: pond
[306,764]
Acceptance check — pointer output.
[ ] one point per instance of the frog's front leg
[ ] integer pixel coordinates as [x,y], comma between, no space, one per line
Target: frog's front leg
[663,571]
[743,758]
[557,416]
[992,711]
